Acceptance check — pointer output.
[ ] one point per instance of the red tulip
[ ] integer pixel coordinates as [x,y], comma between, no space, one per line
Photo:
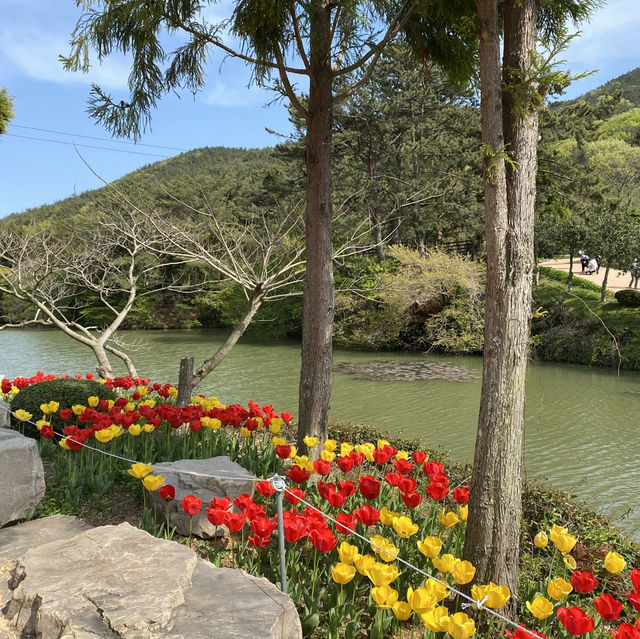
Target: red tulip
[253,510]
[234,521]
[634,599]
[283,451]
[522,633]
[167,492]
[47,432]
[369,487]
[323,539]
[407,484]
[380,456]
[285,417]
[295,526]
[298,475]
[345,464]
[222,503]
[324,490]
[367,515]
[626,631]
[418,456]
[635,578]
[346,523]
[65,413]
[437,491]
[358,458]
[392,478]
[346,488]
[336,499]
[191,505]
[263,526]
[411,499]
[322,467]
[216,516]
[314,518]
[265,488]
[433,468]
[583,581]
[294,495]
[461,494]
[242,502]
[258,542]
[608,607]
[403,466]
[575,620]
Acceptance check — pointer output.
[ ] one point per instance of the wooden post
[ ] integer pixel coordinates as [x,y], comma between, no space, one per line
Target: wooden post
[185,381]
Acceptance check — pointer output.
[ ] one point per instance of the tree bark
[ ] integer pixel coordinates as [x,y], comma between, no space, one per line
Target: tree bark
[319,290]
[254,303]
[603,288]
[185,381]
[493,534]
[570,277]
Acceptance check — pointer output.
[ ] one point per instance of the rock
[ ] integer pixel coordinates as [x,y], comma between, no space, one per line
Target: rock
[21,476]
[5,415]
[204,478]
[118,581]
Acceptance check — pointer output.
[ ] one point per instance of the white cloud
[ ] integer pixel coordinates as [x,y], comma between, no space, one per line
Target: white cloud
[225,94]
[34,52]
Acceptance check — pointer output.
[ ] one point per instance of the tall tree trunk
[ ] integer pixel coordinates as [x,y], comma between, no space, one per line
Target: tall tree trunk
[319,290]
[603,288]
[570,278]
[253,304]
[493,535]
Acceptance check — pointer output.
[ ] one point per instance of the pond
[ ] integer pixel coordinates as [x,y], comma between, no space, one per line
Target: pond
[581,429]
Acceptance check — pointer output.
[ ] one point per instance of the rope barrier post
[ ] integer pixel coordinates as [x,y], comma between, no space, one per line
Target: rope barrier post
[278,482]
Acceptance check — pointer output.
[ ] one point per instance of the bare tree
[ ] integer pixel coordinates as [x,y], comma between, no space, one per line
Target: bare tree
[115,258]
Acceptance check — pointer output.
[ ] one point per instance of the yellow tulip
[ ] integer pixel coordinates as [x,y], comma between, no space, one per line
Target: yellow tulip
[459,626]
[245,432]
[387,516]
[421,600]
[276,425]
[63,443]
[382,443]
[541,540]
[402,454]
[497,596]
[401,610]
[464,512]
[327,455]
[93,401]
[110,404]
[564,543]
[448,519]
[330,445]
[614,562]
[366,449]
[148,428]
[143,391]
[345,449]
[463,571]
[348,553]
[384,596]
[430,546]
[540,607]
[569,562]
[310,441]
[343,573]
[105,435]
[173,391]
[444,564]
[439,590]
[556,531]
[129,406]
[382,574]
[50,407]
[116,430]
[294,452]
[278,441]
[42,422]
[135,429]
[404,527]
[384,548]
[432,619]
[153,482]
[139,470]
[559,588]
[77,409]
[22,414]
[363,563]
[148,402]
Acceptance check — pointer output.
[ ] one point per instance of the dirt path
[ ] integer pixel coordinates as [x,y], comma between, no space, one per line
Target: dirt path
[617,279]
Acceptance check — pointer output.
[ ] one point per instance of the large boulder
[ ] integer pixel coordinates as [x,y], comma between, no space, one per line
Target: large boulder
[119,581]
[21,476]
[5,415]
[204,478]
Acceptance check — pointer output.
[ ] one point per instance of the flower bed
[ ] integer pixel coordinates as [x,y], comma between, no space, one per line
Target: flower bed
[374,534]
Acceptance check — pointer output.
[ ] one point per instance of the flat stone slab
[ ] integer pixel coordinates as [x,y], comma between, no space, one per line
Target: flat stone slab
[120,582]
[5,415]
[21,476]
[204,478]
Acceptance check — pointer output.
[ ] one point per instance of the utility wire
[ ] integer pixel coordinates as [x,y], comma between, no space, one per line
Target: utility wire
[93,137]
[87,146]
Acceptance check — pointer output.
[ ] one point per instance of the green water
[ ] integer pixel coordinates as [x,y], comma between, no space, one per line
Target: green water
[582,423]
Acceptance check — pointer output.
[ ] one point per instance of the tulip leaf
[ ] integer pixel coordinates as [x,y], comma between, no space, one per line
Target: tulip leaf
[310,623]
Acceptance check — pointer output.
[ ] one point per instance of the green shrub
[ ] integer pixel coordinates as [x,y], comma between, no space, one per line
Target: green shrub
[563,276]
[628,297]
[67,392]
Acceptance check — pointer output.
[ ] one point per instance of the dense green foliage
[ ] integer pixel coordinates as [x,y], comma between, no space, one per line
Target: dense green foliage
[629,298]
[67,392]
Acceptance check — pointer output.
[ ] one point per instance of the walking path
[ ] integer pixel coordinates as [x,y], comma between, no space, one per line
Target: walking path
[617,279]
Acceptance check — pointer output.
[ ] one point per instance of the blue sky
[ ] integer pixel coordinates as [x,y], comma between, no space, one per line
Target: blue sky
[226,113]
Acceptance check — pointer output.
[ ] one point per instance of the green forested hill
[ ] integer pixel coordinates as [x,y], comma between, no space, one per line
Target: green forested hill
[628,84]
